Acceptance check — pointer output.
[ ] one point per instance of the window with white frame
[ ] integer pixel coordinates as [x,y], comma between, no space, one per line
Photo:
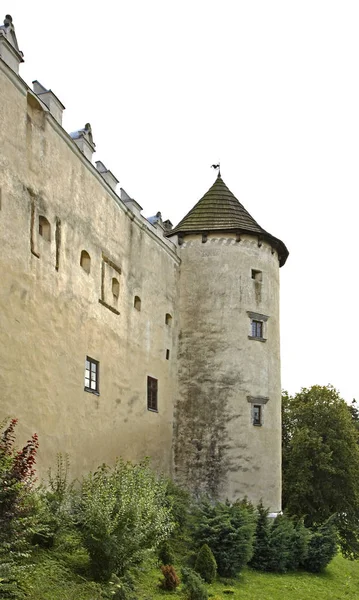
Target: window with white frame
[92,375]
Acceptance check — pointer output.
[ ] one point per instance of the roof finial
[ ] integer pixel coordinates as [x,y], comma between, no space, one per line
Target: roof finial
[218,166]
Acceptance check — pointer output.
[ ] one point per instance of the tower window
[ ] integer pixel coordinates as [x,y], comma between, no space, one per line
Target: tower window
[257,414]
[168,319]
[257,328]
[257,275]
[115,287]
[137,303]
[44,228]
[152,394]
[92,375]
[167,354]
[85,261]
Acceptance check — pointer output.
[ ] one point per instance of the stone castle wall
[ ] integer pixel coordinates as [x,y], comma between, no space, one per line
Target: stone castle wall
[54,313]
[192,332]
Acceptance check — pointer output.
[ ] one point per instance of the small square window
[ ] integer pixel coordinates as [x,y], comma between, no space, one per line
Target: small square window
[256,275]
[152,394]
[257,414]
[257,328]
[91,375]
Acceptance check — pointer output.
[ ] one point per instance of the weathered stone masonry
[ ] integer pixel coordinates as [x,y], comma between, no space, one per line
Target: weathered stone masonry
[181,326]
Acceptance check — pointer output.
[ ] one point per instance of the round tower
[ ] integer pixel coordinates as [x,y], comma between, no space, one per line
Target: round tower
[227,428]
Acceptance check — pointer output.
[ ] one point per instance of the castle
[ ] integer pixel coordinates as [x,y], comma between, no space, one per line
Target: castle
[123,336]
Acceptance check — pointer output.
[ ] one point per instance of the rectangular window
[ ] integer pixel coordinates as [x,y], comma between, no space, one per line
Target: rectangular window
[257,414]
[92,375]
[152,393]
[257,329]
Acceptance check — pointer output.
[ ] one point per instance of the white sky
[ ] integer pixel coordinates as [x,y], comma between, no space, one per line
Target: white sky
[269,88]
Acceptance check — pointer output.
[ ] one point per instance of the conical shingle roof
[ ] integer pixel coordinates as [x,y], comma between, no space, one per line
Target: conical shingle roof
[219,210]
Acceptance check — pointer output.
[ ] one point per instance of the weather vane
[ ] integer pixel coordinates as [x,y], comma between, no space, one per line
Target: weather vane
[218,166]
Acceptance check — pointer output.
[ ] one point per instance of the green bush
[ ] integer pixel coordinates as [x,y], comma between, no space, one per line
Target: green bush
[322,547]
[206,564]
[261,552]
[299,546]
[280,545]
[194,585]
[228,529]
[17,507]
[170,578]
[165,554]
[123,514]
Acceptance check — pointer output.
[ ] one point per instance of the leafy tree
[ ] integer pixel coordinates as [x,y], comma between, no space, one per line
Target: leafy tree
[123,514]
[354,411]
[321,462]
[228,529]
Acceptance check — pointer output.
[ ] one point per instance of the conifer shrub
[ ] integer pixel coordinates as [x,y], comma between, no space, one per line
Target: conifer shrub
[299,546]
[322,547]
[280,544]
[206,564]
[261,550]
[194,585]
[165,553]
[228,529]
[170,578]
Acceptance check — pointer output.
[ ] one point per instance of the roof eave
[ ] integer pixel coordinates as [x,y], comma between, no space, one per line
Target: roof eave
[276,243]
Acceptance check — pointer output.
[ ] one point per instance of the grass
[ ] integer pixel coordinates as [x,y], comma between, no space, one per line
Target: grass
[340,581]
[62,574]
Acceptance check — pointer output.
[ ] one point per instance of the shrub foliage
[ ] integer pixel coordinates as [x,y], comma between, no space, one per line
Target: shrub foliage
[123,514]
[170,578]
[206,564]
[228,529]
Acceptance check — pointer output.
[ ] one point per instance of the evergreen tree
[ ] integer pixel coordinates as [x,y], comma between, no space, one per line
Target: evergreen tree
[206,564]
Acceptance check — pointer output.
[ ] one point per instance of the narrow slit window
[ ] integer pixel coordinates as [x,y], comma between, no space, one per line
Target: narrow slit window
[92,375]
[44,228]
[168,319]
[137,303]
[257,414]
[85,261]
[152,393]
[115,287]
[167,354]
